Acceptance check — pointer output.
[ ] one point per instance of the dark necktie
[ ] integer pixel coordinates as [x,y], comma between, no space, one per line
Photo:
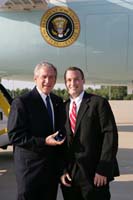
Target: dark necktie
[49,109]
[73,116]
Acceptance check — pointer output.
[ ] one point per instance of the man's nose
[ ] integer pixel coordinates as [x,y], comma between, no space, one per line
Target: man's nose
[72,82]
[47,79]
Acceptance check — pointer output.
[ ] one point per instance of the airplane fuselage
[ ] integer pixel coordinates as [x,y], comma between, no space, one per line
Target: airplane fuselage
[103,48]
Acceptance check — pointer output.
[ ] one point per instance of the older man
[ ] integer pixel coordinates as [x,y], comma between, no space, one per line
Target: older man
[32,127]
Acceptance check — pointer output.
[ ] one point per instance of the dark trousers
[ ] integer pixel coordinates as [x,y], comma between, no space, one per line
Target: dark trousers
[78,193]
[43,192]
[36,177]
[81,189]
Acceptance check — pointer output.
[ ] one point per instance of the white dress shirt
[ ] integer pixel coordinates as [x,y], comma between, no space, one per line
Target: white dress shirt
[77,100]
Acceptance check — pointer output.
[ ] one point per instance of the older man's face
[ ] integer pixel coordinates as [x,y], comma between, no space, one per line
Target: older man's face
[46,79]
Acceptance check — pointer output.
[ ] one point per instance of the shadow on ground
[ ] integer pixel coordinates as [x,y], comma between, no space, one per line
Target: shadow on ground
[125,128]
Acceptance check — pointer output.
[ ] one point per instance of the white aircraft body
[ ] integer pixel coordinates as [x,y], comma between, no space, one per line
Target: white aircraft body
[103,48]
[96,35]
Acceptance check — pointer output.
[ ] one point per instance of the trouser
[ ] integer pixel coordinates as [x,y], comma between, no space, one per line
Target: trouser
[81,189]
[79,193]
[47,192]
[36,177]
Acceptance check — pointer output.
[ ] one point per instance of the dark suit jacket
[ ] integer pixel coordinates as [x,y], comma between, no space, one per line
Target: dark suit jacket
[94,146]
[28,126]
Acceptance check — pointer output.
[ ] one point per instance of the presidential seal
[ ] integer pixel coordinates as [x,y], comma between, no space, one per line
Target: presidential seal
[60,26]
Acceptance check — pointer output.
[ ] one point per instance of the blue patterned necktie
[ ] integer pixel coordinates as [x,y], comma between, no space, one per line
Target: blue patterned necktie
[49,110]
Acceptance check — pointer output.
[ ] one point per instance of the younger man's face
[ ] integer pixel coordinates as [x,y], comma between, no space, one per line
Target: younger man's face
[74,83]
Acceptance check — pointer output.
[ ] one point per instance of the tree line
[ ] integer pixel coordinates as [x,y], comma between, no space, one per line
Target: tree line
[109,92]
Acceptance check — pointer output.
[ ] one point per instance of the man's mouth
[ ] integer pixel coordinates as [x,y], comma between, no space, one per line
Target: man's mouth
[48,86]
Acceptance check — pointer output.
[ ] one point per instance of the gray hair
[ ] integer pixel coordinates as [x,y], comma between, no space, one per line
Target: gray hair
[42,65]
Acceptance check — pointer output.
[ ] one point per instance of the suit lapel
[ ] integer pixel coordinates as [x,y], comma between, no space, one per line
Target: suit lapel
[68,127]
[83,107]
[38,100]
[55,105]
[54,102]
[39,104]
[68,122]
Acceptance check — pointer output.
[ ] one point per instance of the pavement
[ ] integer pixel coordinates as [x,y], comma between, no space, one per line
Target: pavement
[121,188]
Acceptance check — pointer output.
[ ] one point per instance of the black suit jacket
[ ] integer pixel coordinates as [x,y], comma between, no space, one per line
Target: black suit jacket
[28,126]
[94,146]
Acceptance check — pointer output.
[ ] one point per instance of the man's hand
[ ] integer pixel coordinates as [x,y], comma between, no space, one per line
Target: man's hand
[66,180]
[100,180]
[50,140]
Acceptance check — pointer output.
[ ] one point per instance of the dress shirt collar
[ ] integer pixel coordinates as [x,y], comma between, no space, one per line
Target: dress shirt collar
[78,99]
[42,94]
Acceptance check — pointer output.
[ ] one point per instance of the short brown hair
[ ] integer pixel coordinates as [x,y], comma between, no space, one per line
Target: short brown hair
[74,69]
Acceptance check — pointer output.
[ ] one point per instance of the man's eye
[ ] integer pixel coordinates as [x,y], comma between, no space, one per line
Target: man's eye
[43,77]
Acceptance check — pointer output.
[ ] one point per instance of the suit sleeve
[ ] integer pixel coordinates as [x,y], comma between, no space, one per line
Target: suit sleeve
[18,127]
[110,140]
